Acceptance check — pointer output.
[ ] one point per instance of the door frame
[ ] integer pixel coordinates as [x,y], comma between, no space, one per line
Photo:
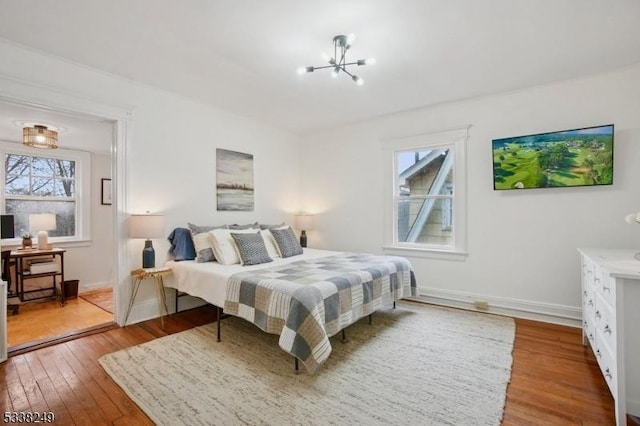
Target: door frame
[28,94]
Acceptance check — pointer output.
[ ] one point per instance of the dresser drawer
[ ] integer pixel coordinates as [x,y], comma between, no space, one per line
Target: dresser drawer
[607,287]
[587,272]
[606,362]
[605,322]
[589,332]
[588,304]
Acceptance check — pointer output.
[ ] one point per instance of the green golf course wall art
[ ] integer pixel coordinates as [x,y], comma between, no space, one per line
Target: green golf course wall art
[579,157]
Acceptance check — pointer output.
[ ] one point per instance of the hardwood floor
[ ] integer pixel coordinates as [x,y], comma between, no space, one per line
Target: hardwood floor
[555,379]
[43,320]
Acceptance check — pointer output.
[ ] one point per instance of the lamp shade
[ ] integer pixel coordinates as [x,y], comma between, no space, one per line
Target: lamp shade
[40,136]
[42,222]
[146,226]
[304,222]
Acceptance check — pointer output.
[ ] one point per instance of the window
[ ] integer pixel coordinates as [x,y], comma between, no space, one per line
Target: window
[426,196]
[47,181]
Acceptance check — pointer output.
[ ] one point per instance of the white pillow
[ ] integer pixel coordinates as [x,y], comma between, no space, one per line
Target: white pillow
[203,244]
[224,247]
[270,242]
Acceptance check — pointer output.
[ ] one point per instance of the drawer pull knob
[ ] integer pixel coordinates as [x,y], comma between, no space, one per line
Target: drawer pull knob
[598,353]
[585,292]
[596,279]
[590,336]
[590,302]
[598,314]
[606,289]
[607,329]
[607,373]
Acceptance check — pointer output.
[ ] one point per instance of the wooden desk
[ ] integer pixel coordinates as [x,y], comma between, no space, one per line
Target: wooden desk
[22,274]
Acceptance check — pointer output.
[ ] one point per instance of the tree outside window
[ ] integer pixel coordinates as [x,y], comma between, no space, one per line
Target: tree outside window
[40,184]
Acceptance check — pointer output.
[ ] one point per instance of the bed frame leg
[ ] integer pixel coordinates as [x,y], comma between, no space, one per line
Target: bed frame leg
[219,316]
[295,363]
[394,304]
[370,319]
[344,336]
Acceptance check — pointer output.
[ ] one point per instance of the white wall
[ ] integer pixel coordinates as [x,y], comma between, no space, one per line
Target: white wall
[171,157]
[93,265]
[522,245]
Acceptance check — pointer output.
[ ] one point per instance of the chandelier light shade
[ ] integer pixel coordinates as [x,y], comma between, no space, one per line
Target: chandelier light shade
[40,136]
[338,63]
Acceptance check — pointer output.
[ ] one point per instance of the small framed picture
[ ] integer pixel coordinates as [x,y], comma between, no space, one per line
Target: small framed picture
[105,199]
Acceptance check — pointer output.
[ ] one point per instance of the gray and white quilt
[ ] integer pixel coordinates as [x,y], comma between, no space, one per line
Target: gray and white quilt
[308,301]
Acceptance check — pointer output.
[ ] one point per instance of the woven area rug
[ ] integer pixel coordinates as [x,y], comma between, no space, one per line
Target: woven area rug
[417,364]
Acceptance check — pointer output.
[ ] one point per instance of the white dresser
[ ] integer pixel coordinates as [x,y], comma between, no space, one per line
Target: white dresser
[611,322]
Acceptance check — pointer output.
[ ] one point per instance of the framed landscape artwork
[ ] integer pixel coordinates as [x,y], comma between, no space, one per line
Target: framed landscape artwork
[234,180]
[579,157]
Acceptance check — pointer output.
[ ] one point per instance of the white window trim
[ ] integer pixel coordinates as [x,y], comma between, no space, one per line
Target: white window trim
[83,187]
[456,137]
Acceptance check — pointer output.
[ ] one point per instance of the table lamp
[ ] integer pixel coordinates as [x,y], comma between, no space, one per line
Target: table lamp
[304,222]
[41,223]
[147,226]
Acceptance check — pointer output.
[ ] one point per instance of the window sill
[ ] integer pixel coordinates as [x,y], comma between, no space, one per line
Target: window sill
[458,256]
[59,244]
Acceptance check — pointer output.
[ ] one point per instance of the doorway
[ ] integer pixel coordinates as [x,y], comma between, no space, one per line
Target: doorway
[67,108]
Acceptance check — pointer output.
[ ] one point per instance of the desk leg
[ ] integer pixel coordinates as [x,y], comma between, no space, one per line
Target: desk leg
[134,293]
[63,293]
[162,299]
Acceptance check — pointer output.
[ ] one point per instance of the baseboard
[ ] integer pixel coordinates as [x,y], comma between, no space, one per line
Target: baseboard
[148,309]
[85,288]
[545,312]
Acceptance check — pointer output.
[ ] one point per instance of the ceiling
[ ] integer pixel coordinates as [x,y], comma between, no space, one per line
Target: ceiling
[242,55]
[77,132]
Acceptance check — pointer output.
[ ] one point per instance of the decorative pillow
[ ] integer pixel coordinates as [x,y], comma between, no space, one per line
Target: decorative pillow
[263,226]
[224,248]
[199,229]
[286,241]
[270,243]
[251,248]
[204,247]
[247,226]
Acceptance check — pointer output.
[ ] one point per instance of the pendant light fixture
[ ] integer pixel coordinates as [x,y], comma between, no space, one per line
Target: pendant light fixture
[40,136]
[338,63]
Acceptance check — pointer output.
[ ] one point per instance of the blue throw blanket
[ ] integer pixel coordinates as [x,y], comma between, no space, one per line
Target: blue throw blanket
[181,245]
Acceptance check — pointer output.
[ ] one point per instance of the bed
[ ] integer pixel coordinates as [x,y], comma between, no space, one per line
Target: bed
[304,299]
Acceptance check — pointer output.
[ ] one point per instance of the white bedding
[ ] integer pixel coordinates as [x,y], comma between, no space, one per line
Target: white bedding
[208,280]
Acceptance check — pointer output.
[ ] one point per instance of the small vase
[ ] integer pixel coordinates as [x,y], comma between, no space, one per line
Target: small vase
[27,243]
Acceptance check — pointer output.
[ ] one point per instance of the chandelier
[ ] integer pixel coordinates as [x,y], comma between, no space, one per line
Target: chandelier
[40,136]
[338,63]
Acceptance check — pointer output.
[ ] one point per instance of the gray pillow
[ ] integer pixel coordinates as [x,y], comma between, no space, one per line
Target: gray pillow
[287,242]
[199,229]
[264,226]
[247,226]
[251,248]
[205,255]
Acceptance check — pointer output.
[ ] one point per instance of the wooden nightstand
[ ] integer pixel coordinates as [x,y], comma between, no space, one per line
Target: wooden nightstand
[139,275]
